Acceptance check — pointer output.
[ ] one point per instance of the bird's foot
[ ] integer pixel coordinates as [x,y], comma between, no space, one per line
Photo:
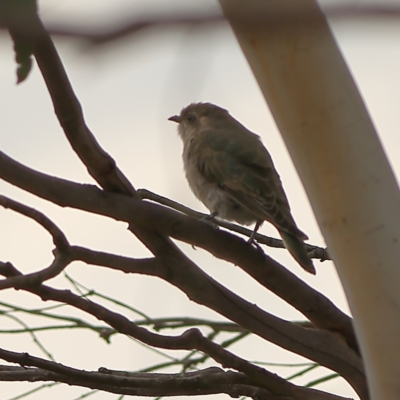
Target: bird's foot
[251,238]
[210,219]
[253,242]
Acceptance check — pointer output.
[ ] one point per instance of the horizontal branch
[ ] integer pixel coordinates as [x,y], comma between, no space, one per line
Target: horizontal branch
[205,382]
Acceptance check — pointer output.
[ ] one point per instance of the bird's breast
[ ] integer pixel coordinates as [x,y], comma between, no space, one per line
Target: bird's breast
[215,199]
[207,192]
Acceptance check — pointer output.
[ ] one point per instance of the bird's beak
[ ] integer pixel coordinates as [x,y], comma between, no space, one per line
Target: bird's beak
[175,118]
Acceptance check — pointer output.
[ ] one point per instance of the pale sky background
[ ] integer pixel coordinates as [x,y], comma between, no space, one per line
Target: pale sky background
[128,90]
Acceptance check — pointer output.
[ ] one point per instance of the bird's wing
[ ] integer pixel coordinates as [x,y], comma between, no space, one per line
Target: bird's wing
[242,167]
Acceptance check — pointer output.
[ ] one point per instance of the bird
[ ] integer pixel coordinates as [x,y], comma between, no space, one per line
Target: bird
[232,173]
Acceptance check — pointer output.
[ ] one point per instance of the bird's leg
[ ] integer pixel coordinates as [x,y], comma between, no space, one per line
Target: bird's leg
[256,227]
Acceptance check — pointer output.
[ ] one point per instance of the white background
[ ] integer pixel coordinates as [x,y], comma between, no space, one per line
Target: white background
[128,90]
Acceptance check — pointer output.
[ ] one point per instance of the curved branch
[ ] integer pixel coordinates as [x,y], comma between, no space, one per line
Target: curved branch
[61,259]
[17,281]
[59,239]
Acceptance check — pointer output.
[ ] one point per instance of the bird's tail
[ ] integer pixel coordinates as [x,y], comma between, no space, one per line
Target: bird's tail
[298,251]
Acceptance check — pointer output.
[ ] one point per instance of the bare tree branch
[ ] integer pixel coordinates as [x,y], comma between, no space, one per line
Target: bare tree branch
[269,273]
[208,381]
[61,260]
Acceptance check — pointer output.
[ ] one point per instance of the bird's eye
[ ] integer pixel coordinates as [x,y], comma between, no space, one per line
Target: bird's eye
[190,118]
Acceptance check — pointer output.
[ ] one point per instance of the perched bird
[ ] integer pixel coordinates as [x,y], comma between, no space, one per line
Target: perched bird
[232,173]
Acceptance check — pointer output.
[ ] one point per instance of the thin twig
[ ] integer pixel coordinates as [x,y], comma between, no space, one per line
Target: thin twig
[313,251]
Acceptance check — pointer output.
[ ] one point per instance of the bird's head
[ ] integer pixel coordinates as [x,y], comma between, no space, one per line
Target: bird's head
[197,117]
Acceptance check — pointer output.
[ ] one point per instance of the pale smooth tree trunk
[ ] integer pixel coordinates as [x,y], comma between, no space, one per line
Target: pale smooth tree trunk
[341,163]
